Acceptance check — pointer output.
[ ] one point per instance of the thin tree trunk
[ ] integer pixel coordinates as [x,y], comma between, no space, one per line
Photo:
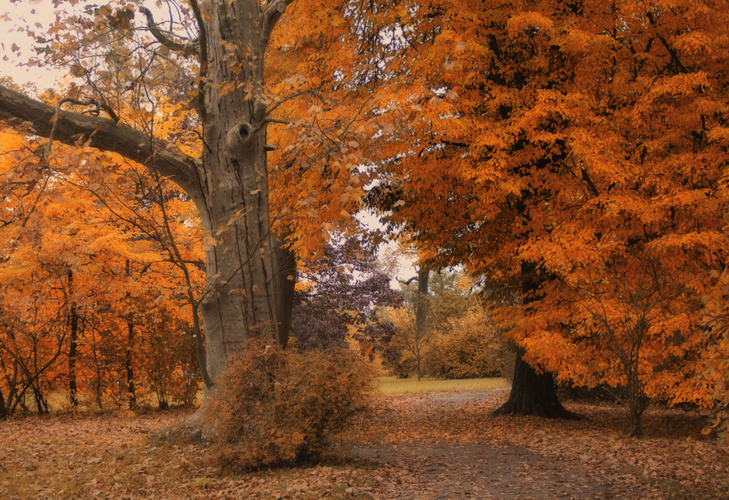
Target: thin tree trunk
[129,365]
[72,344]
[97,368]
[421,316]
[72,356]
[129,354]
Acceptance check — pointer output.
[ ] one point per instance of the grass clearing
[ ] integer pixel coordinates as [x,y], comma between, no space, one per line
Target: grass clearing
[394,385]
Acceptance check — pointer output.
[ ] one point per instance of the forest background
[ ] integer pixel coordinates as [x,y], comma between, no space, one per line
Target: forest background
[569,156]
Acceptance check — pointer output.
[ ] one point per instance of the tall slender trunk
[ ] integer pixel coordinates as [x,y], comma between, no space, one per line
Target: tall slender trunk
[129,353]
[421,316]
[98,387]
[72,343]
[129,364]
[72,356]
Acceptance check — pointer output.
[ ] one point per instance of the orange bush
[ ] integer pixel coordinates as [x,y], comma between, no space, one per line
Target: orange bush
[275,407]
[469,347]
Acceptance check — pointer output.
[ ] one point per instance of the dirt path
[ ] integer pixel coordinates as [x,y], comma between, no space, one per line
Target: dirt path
[438,447]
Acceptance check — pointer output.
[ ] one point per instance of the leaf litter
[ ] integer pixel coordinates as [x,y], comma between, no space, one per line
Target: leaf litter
[440,445]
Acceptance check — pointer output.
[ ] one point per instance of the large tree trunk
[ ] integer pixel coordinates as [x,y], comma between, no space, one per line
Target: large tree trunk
[533,393]
[233,201]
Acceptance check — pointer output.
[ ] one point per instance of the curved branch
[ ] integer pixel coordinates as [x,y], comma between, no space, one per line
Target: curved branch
[272,14]
[186,49]
[91,102]
[101,133]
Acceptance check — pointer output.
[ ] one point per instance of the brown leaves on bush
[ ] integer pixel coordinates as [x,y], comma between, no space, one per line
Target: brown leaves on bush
[469,347]
[275,407]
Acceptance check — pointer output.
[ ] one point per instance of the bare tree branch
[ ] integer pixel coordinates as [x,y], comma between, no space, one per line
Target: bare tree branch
[185,49]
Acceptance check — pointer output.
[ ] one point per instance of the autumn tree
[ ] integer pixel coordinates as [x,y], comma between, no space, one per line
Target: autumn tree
[406,348]
[465,342]
[87,249]
[215,52]
[572,154]
[228,181]
[458,338]
[432,184]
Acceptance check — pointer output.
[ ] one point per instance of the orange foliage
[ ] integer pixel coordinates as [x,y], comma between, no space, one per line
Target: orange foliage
[88,280]
[574,154]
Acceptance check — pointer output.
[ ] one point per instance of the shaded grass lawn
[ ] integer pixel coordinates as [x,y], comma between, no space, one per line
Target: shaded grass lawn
[394,385]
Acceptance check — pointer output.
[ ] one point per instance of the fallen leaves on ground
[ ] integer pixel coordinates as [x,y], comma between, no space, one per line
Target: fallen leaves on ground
[442,445]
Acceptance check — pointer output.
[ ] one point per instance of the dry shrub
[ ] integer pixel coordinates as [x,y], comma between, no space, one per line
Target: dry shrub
[470,347]
[275,407]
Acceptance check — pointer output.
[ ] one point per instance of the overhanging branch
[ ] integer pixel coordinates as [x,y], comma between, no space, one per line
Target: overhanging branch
[101,133]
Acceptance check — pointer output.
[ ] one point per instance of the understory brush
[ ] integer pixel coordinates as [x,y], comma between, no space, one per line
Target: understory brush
[277,407]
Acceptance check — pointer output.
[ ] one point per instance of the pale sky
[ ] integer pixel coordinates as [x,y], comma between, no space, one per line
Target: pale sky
[14,17]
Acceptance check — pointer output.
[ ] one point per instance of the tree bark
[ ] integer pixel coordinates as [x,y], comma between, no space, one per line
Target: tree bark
[533,393]
[129,351]
[129,364]
[636,398]
[72,344]
[421,313]
[285,284]
[233,201]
